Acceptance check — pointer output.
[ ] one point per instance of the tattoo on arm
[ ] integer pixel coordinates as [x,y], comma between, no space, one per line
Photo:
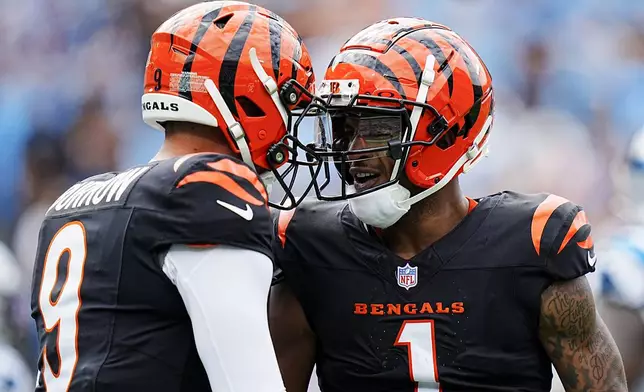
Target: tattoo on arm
[577,340]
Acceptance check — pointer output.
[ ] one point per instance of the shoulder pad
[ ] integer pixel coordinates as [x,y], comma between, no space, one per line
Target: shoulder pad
[226,172]
[310,217]
[205,199]
[555,222]
[561,234]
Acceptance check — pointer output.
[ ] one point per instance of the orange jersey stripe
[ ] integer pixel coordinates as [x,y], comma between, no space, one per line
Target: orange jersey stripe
[579,221]
[282,224]
[202,246]
[223,181]
[473,204]
[242,171]
[540,218]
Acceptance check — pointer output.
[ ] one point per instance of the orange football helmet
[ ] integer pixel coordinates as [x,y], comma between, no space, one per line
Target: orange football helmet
[423,74]
[234,66]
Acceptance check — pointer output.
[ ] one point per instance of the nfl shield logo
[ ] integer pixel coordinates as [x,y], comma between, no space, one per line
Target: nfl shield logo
[407,276]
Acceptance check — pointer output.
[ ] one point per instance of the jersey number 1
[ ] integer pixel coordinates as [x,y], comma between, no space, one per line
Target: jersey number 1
[419,338]
[61,312]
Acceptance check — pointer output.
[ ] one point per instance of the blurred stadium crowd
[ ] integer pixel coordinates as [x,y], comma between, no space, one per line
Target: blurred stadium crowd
[569,76]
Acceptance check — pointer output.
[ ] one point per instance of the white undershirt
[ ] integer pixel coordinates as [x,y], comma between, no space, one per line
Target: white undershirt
[225,291]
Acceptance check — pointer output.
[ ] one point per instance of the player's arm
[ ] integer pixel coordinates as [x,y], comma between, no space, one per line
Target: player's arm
[225,291]
[293,339]
[572,333]
[577,340]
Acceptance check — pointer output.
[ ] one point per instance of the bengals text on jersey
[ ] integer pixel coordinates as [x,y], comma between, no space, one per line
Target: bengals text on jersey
[462,315]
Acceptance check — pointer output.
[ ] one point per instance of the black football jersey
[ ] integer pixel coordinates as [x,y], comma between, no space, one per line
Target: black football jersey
[462,315]
[108,318]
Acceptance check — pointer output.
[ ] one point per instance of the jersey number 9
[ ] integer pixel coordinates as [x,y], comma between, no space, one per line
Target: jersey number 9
[59,306]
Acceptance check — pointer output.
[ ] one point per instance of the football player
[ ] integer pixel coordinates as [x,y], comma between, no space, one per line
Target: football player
[621,278]
[156,278]
[409,285]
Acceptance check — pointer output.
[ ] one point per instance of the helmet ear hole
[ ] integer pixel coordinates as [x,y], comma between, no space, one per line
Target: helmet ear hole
[249,107]
[180,51]
[221,22]
[449,138]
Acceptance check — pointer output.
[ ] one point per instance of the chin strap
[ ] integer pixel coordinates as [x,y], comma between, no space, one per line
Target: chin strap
[425,83]
[269,84]
[234,128]
[478,150]
[466,161]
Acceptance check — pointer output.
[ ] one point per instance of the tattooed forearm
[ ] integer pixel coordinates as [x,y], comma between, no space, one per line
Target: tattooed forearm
[576,339]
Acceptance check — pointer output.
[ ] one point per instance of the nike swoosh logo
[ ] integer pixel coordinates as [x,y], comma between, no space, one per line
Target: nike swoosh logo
[246,214]
[592,260]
